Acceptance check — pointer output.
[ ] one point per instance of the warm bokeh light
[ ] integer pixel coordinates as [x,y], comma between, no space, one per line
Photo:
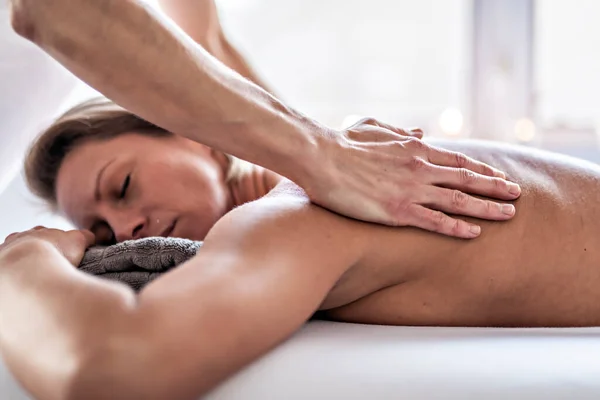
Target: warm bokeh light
[451,121]
[525,130]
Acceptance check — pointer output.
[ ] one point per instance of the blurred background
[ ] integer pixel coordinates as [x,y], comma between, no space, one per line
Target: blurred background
[519,71]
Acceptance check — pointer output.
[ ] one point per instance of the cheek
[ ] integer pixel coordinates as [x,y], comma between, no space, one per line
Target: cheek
[204,202]
[198,187]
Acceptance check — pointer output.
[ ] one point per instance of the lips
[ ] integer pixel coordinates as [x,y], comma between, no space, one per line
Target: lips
[169,230]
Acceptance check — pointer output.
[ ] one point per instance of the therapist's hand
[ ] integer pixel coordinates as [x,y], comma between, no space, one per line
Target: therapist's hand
[379,173]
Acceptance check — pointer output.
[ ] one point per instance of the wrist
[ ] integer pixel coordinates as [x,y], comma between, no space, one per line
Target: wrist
[305,151]
[311,162]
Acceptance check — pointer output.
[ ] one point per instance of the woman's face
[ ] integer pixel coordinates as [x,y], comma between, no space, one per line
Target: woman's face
[137,185]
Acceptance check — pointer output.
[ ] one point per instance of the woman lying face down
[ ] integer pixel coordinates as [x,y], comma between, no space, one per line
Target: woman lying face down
[123,178]
[267,265]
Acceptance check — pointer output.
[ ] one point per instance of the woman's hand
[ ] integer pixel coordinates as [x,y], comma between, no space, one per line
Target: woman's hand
[72,244]
[379,173]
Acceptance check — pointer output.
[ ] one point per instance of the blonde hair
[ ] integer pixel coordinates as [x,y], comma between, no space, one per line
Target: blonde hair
[96,119]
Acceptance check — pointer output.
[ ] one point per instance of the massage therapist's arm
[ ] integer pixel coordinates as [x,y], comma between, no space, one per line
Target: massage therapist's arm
[371,171]
[264,269]
[200,20]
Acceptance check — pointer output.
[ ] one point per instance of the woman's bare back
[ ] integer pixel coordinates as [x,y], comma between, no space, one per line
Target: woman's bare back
[540,269]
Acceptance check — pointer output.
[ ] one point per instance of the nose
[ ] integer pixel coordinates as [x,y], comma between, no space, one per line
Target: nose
[129,228]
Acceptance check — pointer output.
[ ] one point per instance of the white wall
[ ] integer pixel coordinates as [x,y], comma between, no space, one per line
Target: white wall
[404,61]
[568,62]
[32,90]
[20,211]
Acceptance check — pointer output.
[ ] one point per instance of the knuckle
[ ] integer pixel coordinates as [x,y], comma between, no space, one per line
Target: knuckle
[445,224]
[396,146]
[416,164]
[491,207]
[455,227]
[488,170]
[458,199]
[467,176]
[398,207]
[499,183]
[367,121]
[414,143]
[352,133]
[439,220]
[461,160]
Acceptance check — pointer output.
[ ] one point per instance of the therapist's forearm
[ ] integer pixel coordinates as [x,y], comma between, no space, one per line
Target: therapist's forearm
[200,20]
[52,317]
[144,62]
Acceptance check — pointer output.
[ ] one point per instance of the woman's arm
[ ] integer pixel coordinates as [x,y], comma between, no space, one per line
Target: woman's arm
[52,316]
[263,271]
[200,20]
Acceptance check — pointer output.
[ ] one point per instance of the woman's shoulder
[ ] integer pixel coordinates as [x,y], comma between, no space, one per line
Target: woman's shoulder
[287,212]
[286,201]
[288,190]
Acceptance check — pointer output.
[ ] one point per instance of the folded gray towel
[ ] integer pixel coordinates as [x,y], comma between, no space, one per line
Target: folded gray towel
[137,262]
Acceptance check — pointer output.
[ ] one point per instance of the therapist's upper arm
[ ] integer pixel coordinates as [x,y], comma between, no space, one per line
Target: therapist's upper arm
[260,275]
[198,18]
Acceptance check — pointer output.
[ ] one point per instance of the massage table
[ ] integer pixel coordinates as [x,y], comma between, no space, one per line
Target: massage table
[328,360]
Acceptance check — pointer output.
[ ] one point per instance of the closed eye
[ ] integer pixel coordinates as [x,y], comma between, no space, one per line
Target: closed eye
[124,187]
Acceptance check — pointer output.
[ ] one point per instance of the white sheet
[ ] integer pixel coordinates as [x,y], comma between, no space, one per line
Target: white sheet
[346,361]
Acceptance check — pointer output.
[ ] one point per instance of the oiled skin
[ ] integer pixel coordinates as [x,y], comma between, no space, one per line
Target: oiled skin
[540,269]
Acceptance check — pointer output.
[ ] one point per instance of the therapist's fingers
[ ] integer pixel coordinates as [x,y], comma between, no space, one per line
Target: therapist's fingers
[447,158]
[437,221]
[456,202]
[468,181]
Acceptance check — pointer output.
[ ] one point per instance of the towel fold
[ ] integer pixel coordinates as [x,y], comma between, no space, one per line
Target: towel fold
[138,262]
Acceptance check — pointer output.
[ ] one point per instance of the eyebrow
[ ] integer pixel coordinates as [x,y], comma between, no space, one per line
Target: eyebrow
[98,178]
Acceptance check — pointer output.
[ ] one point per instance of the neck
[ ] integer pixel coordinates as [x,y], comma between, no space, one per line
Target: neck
[252,186]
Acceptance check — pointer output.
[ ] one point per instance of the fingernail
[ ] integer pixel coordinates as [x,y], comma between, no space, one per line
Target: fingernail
[514,189]
[499,174]
[508,209]
[475,230]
